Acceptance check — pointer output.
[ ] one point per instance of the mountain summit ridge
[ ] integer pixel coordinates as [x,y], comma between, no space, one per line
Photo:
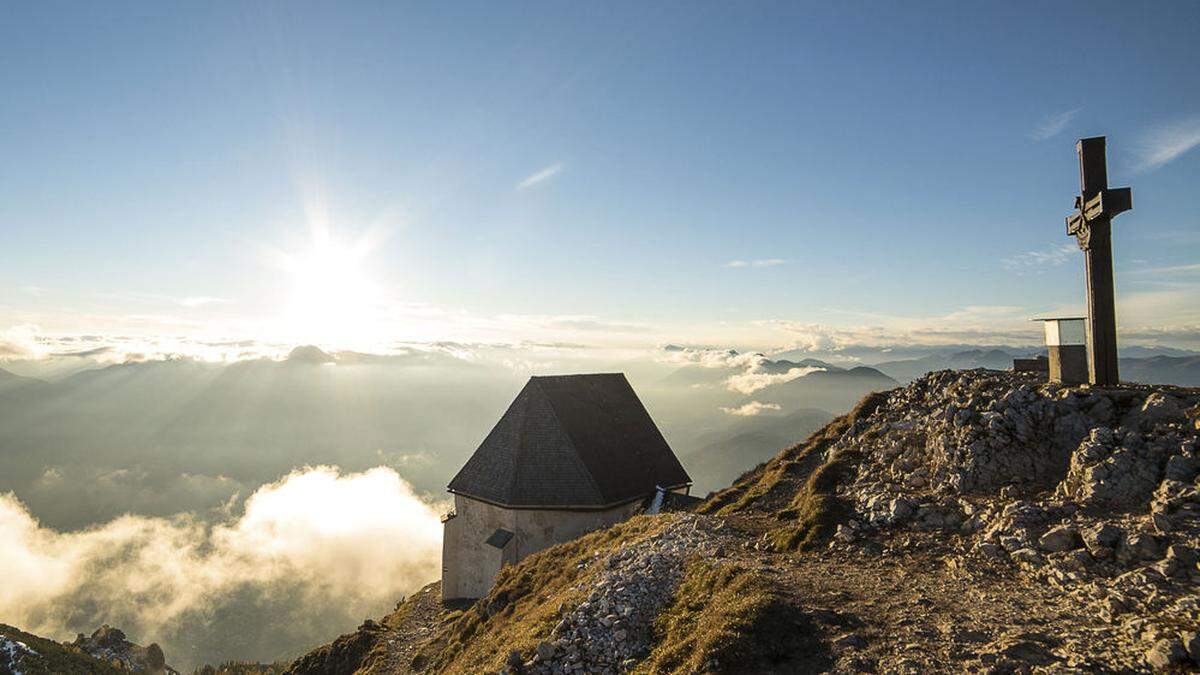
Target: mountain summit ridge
[972,520]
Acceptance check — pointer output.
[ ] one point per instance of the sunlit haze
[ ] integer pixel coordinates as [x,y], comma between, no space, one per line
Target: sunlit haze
[607,176]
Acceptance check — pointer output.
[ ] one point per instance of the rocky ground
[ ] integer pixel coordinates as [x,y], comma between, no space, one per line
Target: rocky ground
[1091,492]
[970,522]
[613,627]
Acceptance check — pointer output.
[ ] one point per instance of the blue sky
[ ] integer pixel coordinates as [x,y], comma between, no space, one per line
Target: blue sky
[605,173]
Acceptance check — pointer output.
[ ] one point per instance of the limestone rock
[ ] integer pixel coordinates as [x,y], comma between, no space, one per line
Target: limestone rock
[1166,653]
[1191,643]
[1061,538]
[1102,540]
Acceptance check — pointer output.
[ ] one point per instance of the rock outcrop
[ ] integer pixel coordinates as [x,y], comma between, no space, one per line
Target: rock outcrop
[1093,491]
[109,644]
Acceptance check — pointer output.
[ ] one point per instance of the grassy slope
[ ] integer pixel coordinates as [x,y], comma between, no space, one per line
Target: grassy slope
[730,619]
[725,617]
[799,486]
[522,608]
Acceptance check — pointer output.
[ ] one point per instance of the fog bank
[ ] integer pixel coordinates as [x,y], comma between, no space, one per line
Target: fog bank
[304,558]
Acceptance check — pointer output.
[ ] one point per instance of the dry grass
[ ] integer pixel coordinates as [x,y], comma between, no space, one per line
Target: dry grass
[523,607]
[798,487]
[795,481]
[728,619]
[816,509]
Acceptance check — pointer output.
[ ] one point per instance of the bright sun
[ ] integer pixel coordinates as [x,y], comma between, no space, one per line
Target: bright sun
[332,302]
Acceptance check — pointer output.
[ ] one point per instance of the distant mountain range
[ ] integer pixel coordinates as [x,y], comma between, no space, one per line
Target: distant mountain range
[996,359]
[1183,371]
[1179,367]
[870,355]
[833,389]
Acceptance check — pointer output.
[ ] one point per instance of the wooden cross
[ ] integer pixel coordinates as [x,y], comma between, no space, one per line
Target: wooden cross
[1092,225]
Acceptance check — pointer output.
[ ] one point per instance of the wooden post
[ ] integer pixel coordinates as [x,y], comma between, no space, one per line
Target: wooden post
[1094,229]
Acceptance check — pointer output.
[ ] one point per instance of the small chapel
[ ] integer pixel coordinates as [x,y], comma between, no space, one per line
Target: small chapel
[573,453]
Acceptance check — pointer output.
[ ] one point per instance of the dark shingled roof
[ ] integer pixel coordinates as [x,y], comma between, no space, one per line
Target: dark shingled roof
[571,441]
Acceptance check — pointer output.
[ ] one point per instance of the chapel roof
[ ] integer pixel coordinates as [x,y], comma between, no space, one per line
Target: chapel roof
[571,441]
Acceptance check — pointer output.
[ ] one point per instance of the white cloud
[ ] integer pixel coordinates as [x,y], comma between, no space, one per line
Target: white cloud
[1167,142]
[1038,261]
[1053,125]
[20,342]
[976,324]
[758,377]
[707,357]
[541,176]
[752,409]
[816,337]
[757,371]
[1170,270]
[341,545]
[762,262]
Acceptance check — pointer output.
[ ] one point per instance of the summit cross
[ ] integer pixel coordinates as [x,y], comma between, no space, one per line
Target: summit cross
[1091,224]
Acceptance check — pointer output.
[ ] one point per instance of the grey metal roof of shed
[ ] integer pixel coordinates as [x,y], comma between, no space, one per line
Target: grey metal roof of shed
[571,441]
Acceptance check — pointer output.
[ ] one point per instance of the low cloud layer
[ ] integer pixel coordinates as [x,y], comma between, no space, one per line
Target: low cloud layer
[757,371]
[759,377]
[752,409]
[308,557]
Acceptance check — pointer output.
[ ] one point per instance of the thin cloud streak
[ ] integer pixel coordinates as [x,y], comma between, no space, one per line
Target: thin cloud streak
[764,262]
[1167,142]
[1054,124]
[752,409]
[541,176]
[1038,261]
[1172,269]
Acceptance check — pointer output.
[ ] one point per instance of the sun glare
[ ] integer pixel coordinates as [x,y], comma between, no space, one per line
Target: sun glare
[332,301]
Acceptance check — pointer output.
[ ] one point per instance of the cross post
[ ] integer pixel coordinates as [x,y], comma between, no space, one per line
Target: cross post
[1092,226]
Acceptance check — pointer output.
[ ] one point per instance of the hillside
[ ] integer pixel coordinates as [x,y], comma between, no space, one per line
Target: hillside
[971,521]
[831,389]
[26,654]
[722,457]
[10,382]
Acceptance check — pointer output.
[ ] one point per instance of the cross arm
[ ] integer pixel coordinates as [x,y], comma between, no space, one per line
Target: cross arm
[1108,202]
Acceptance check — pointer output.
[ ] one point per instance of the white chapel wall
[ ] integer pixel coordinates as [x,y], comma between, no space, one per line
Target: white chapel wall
[469,564]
